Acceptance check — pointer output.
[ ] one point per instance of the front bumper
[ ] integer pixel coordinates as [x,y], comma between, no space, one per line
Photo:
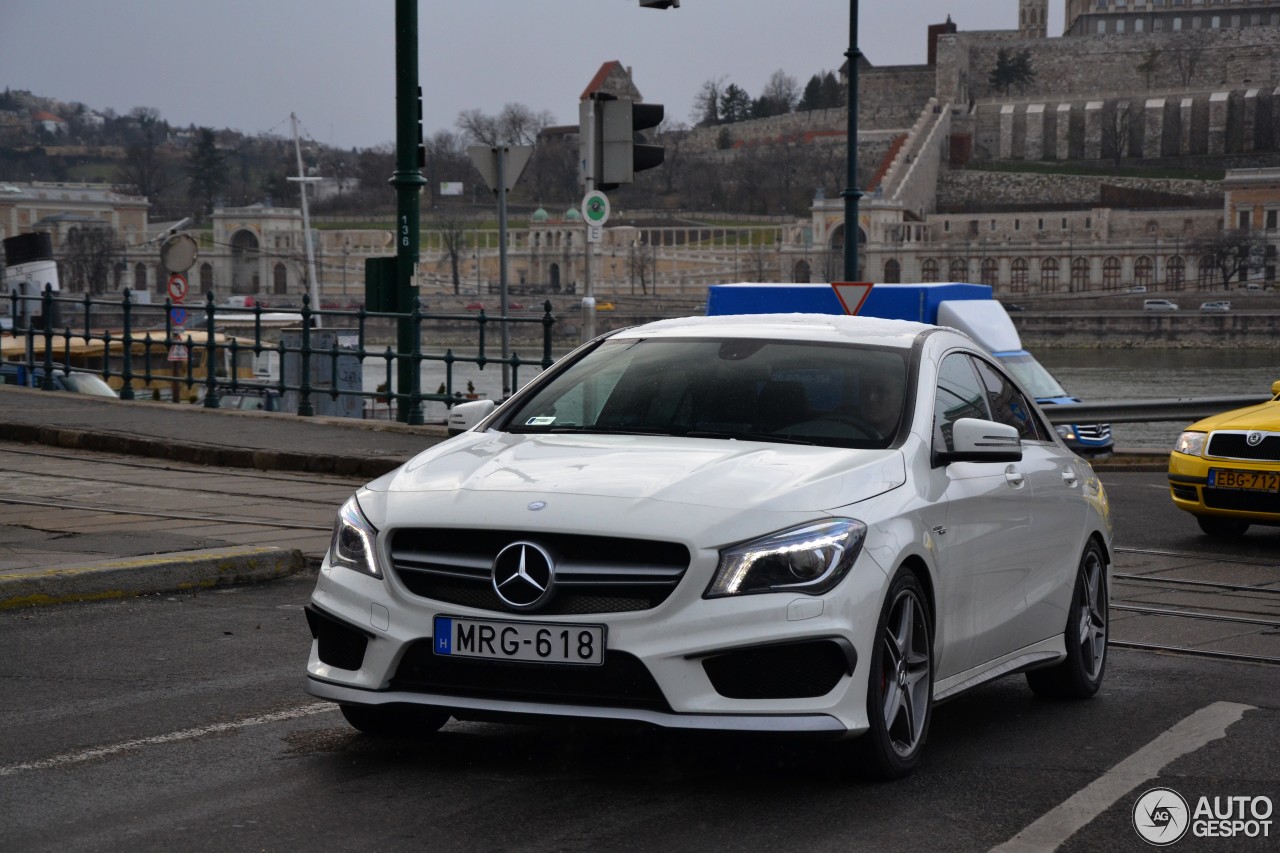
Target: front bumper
[1189,489]
[373,645]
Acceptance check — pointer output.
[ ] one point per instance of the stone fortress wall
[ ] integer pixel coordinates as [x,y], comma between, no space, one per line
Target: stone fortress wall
[1089,96]
[1088,93]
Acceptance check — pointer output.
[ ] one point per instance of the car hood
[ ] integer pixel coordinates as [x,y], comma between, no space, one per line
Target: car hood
[1264,416]
[704,472]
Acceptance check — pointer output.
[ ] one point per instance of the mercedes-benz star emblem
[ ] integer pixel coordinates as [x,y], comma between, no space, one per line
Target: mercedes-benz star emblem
[523,575]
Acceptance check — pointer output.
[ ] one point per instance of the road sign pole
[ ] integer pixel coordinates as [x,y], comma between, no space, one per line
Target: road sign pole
[500,154]
[589,167]
[408,181]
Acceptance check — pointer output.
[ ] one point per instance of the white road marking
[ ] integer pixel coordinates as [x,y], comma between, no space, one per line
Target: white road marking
[172,737]
[1052,829]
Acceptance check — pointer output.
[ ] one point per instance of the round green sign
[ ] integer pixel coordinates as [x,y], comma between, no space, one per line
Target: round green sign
[595,208]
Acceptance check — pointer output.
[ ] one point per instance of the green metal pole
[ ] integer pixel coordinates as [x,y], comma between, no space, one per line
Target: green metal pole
[851,192]
[408,181]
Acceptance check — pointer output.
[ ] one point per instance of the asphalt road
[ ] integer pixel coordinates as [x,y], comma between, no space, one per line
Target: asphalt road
[180,721]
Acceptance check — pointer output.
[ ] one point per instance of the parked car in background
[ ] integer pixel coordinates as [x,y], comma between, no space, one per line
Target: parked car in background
[1225,469]
[250,399]
[754,523]
[1159,305]
[604,306]
[1138,288]
[16,373]
[1220,305]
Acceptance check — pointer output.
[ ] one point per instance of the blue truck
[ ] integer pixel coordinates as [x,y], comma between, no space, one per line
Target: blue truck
[971,308]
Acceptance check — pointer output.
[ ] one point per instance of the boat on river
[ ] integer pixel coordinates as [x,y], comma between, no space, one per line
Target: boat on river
[161,367]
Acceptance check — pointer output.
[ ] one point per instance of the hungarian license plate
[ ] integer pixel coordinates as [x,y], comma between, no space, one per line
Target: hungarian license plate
[1248,481]
[537,642]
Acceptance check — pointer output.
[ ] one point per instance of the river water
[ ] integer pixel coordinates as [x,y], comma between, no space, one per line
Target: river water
[1095,375]
[1154,374]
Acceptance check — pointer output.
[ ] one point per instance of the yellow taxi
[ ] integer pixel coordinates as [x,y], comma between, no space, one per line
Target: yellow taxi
[1225,469]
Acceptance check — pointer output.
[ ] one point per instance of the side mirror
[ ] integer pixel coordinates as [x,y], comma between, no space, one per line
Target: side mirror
[1275,388]
[464,416]
[975,440]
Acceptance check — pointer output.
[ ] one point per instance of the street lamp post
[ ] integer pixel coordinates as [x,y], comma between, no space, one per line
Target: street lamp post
[851,192]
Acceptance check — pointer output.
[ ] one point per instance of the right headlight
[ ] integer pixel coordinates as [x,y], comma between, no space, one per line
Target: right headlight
[810,559]
[352,545]
[1191,443]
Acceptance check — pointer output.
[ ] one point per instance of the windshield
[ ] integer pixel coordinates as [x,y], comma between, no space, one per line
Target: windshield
[835,395]
[1033,376]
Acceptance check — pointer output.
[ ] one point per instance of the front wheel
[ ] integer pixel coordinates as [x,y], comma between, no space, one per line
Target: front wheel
[394,721]
[900,688]
[1222,528]
[1080,675]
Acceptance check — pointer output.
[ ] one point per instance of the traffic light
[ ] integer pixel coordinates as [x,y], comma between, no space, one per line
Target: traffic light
[608,130]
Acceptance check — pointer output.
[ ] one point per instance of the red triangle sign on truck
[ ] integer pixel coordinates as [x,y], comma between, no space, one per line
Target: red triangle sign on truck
[851,294]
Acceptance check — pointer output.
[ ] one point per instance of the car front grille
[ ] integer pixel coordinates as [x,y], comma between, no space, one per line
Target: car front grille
[1242,501]
[1093,432]
[1235,445]
[622,681]
[593,574]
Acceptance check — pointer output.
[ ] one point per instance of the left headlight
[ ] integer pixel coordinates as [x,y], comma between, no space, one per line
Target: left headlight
[352,545]
[810,559]
[1190,443]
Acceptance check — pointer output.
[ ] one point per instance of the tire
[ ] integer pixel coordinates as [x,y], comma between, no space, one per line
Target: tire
[394,721]
[1088,623]
[1222,528]
[900,683]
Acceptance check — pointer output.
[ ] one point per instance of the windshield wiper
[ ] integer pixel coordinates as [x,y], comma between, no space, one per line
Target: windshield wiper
[593,430]
[747,436]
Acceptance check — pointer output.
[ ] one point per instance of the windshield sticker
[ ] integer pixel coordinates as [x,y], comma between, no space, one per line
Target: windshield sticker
[541,420]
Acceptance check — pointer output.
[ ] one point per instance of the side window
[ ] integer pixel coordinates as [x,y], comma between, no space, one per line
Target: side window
[1008,406]
[958,395]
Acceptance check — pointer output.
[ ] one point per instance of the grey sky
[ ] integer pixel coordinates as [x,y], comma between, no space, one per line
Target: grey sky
[247,64]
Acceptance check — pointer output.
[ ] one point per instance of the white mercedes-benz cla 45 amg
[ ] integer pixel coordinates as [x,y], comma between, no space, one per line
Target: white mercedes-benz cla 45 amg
[770,523]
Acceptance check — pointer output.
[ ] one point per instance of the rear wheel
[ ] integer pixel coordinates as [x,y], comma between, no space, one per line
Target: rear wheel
[900,689]
[1080,675]
[1222,528]
[394,721]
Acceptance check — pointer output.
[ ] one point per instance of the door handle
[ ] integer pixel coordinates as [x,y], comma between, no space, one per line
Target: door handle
[1069,476]
[1013,477]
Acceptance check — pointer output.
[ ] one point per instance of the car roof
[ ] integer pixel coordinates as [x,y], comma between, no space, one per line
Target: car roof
[833,328]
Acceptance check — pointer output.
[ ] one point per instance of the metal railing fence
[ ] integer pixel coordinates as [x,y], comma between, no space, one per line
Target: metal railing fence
[153,344]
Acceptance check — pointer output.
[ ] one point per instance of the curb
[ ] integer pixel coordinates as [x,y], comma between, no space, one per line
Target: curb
[201,454]
[159,573]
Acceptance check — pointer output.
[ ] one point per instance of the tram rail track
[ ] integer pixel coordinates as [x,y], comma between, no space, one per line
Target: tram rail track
[1222,603]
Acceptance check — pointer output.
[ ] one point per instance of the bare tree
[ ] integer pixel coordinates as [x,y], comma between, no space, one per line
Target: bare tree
[1187,49]
[706,104]
[1115,132]
[1230,253]
[90,255]
[454,235]
[782,90]
[516,124]
[143,171]
[446,161]
[1152,58]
